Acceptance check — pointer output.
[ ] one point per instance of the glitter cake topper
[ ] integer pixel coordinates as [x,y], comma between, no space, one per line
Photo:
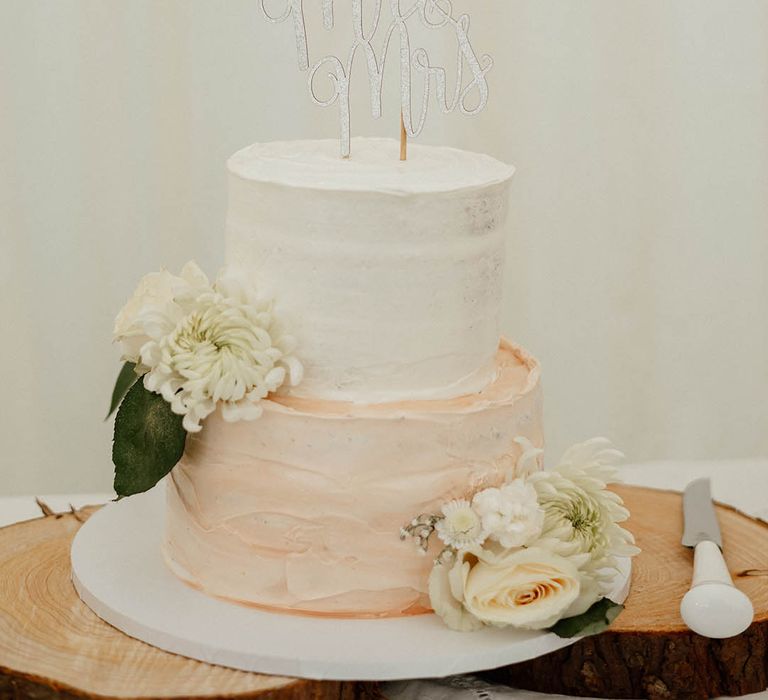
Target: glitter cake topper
[433,14]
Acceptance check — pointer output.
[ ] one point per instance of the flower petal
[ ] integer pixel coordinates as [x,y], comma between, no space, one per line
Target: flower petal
[445,604]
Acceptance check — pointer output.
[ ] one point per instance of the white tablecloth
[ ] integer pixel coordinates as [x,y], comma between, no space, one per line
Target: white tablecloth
[741,483]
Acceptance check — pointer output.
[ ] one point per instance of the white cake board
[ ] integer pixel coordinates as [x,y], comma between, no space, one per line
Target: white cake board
[119,572]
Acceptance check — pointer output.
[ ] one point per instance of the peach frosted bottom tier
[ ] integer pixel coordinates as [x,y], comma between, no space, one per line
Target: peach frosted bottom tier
[300,510]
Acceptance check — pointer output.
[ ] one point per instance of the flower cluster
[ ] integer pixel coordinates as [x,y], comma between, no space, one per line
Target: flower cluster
[537,549]
[198,344]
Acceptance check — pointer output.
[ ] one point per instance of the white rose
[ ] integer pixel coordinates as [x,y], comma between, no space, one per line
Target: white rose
[528,588]
[511,515]
[155,291]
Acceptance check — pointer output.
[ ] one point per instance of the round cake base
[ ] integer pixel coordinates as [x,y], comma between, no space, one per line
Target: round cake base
[119,572]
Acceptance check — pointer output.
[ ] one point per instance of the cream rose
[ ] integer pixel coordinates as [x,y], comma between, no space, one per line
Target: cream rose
[528,588]
[446,584]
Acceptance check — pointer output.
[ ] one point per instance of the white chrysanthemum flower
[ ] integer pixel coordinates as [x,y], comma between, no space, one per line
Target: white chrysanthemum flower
[582,516]
[461,526]
[511,514]
[210,344]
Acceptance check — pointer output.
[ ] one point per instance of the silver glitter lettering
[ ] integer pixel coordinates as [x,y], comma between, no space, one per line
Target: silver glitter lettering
[434,15]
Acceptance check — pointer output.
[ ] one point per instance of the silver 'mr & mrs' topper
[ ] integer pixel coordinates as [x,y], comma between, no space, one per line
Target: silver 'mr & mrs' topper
[434,14]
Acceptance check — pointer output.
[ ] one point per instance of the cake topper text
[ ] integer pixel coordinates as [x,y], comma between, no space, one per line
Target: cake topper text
[433,14]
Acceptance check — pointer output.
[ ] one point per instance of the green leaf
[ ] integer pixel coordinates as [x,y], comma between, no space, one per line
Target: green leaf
[125,380]
[149,441]
[597,619]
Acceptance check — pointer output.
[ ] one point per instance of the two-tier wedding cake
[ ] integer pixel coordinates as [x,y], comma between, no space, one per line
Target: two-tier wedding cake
[389,275]
[338,424]
[343,429]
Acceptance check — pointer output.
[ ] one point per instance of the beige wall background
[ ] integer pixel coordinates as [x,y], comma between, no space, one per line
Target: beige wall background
[638,256]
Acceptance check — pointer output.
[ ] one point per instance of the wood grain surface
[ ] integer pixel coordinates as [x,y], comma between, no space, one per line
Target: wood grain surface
[53,646]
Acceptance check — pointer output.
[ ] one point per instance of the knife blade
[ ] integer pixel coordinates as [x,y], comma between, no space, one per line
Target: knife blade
[713,606]
[699,514]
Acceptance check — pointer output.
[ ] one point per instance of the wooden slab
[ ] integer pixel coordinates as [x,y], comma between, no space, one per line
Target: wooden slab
[53,646]
[648,652]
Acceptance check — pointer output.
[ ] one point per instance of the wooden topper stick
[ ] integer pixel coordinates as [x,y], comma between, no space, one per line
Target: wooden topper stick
[403,139]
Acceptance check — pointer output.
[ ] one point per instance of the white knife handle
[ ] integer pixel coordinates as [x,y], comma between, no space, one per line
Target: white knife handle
[714,607]
[709,565]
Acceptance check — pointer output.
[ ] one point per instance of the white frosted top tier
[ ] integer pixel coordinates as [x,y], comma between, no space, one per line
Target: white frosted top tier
[388,273]
[373,167]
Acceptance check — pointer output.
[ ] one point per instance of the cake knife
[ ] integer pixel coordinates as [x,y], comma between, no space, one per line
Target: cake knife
[713,607]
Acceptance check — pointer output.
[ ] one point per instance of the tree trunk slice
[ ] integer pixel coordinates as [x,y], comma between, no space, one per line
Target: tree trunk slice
[649,652]
[53,646]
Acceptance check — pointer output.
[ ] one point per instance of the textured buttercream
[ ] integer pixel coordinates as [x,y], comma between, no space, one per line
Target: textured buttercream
[374,167]
[300,510]
[388,273]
